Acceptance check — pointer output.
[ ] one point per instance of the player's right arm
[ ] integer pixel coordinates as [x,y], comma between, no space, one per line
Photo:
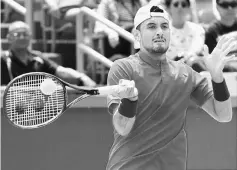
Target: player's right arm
[122,106]
[123,122]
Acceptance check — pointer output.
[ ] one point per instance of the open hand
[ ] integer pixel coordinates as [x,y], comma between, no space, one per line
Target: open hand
[216,61]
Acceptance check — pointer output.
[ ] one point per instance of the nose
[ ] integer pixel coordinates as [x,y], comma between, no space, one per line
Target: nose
[159,31]
[21,36]
[230,7]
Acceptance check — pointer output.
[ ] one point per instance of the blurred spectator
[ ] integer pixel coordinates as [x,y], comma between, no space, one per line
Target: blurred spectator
[19,59]
[191,16]
[122,13]
[64,13]
[187,38]
[68,9]
[224,25]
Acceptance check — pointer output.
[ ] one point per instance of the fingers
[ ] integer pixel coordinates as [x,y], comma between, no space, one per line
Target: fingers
[229,46]
[222,40]
[127,89]
[227,43]
[230,58]
[130,83]
[205,50]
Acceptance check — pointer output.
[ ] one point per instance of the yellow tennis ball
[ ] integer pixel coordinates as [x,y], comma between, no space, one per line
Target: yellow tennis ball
[48,87]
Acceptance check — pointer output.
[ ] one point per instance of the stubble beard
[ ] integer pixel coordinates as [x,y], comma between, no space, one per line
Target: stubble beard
[157,50]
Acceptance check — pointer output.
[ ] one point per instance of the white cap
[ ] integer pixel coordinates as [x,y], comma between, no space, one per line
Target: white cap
[18,25]
[145,13]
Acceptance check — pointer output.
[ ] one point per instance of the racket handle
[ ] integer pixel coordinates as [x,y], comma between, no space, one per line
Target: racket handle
[108,90]
[113,90]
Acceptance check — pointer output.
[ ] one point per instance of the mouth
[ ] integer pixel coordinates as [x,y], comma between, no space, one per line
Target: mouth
[159,40]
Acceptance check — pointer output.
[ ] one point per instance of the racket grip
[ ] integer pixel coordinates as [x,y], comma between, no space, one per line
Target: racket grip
[114,90]
[108,90]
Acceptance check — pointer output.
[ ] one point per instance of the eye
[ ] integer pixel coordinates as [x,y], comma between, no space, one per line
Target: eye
[165,26]
[151,26]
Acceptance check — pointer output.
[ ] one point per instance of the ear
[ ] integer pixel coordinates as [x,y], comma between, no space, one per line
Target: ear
[205,50]
[137,37]
[136,34]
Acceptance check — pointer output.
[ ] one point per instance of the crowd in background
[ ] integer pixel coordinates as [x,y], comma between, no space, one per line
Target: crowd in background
[191,30]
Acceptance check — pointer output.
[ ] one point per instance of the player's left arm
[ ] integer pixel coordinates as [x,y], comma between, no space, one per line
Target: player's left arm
[214,100]
[218,104]
[219,110]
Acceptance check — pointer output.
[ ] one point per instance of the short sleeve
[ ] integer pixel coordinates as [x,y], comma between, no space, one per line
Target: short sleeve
[121,69]
[202,90]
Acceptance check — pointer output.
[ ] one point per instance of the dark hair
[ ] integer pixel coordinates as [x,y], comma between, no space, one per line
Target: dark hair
[153,9]
[156,9]
[168,2]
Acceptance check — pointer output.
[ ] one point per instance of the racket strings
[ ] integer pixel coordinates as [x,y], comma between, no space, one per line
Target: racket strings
[28,106]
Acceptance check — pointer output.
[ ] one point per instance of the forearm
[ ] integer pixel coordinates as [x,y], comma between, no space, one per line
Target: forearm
[219,105]
[223,110]
[123,125]
[73,76]
[220,111]
[67,74]
[51,4]
[222,101]
[124,116]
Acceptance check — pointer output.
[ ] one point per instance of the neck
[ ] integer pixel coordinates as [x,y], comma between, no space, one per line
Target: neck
[153,56]
[178,24]
[227,21]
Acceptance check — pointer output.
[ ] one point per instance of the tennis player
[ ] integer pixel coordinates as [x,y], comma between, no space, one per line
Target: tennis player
[149,125]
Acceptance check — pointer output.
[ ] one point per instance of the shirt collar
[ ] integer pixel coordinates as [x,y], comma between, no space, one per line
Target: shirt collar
[151,61]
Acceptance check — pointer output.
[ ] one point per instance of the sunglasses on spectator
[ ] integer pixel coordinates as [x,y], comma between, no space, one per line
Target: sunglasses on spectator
[226,5]
[182,4]
[19,34]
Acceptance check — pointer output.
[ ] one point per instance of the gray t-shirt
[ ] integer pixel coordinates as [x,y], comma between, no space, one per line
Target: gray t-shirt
[157,140]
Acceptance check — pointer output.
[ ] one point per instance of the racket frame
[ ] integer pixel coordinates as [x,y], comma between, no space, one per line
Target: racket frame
[86,92]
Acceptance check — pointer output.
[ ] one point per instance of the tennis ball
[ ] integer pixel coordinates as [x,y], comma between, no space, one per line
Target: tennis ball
[48,87]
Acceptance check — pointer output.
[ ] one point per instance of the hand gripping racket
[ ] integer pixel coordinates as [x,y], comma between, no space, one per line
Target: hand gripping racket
[33,100]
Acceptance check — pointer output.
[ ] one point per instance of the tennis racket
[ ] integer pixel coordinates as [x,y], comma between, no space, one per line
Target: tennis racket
[36,99]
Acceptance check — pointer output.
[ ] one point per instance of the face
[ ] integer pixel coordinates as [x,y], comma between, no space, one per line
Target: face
[154,35]
[19,38]
[179,8]
[227,8]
